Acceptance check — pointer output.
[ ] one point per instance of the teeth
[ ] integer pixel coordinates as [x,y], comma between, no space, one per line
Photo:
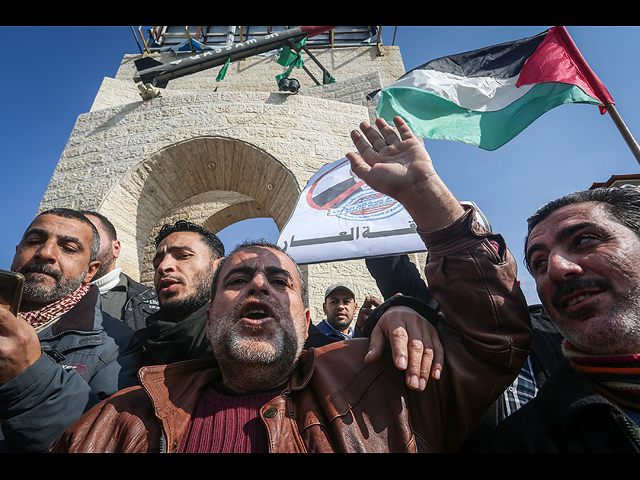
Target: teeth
[577,299]
[256,313]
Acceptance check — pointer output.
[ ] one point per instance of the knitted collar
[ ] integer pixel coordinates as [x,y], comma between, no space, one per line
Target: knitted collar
[617,377]
[49,313]
[108,280]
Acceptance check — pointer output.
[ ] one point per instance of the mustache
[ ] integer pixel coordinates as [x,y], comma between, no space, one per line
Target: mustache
[575,284]
[171,277]
[41,268]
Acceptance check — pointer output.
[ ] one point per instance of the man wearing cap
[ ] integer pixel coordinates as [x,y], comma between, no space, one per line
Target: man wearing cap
[340,307]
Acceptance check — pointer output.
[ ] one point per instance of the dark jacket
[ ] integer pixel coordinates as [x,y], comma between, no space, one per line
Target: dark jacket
[142,301]
[131,302]
[546,354]
[567,416]
[335,401]
[397,274]
[87,356]
[167,341]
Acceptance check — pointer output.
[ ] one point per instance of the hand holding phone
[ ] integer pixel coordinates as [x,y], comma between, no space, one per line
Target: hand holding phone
[11,285]
[19,343]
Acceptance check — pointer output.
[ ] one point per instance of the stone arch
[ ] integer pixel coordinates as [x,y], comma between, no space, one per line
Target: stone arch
[214,181]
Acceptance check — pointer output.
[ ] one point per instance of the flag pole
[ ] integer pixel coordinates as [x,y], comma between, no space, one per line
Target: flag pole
[622,127]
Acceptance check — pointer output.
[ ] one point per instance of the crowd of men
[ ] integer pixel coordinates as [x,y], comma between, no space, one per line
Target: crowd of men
[222,355]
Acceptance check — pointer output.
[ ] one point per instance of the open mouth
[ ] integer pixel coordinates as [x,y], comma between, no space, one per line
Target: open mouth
[256,313]
[573,301]
[167,285]
[578,290]
[578,298]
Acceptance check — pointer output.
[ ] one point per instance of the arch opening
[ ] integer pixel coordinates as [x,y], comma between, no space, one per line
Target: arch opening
[213,181]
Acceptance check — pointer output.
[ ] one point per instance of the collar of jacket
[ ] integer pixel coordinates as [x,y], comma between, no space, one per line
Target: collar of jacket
[185,379]
[174,390]
[566,393]
[81,317]
[78,328]
[339,377]
[178,385]
[168,341]
[134,288]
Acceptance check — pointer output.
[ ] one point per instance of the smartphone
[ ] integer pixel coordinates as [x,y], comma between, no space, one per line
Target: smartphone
[11,284]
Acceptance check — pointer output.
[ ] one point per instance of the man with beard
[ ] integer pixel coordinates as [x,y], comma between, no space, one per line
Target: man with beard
[184,263]
[120,295]
[340,306]
[60,355]
[266,393]
[583,251]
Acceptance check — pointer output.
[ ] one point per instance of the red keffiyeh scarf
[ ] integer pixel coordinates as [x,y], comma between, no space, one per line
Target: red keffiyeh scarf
[46,315]
[617,377]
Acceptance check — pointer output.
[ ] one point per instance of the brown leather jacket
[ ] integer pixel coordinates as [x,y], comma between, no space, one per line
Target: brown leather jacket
[335,402]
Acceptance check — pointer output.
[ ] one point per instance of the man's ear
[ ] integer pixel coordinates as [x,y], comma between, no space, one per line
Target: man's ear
[307,314]
[215,262]
[93,268]
[115,248]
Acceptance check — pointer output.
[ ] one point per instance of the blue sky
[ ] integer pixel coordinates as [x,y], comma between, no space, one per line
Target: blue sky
[50,75]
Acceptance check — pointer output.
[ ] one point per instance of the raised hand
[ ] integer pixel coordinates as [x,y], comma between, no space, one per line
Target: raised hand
[398,165]
[389,163]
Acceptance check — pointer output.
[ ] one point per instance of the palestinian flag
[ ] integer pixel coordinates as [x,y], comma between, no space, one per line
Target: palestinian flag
[488,96]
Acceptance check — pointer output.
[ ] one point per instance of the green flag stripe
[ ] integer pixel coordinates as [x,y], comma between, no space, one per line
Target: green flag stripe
[430,116]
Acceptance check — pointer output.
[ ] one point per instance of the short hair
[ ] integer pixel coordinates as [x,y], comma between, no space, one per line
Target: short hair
[259,243]
[94,248]
[210,239]
[622,203]
[106,223]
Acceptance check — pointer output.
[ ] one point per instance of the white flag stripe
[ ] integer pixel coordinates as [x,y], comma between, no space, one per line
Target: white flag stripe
[480,94]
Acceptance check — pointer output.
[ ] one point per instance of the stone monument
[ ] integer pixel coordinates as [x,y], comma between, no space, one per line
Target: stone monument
[219,152]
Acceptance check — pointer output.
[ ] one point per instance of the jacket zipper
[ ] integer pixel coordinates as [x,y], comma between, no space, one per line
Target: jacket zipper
[632,431]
